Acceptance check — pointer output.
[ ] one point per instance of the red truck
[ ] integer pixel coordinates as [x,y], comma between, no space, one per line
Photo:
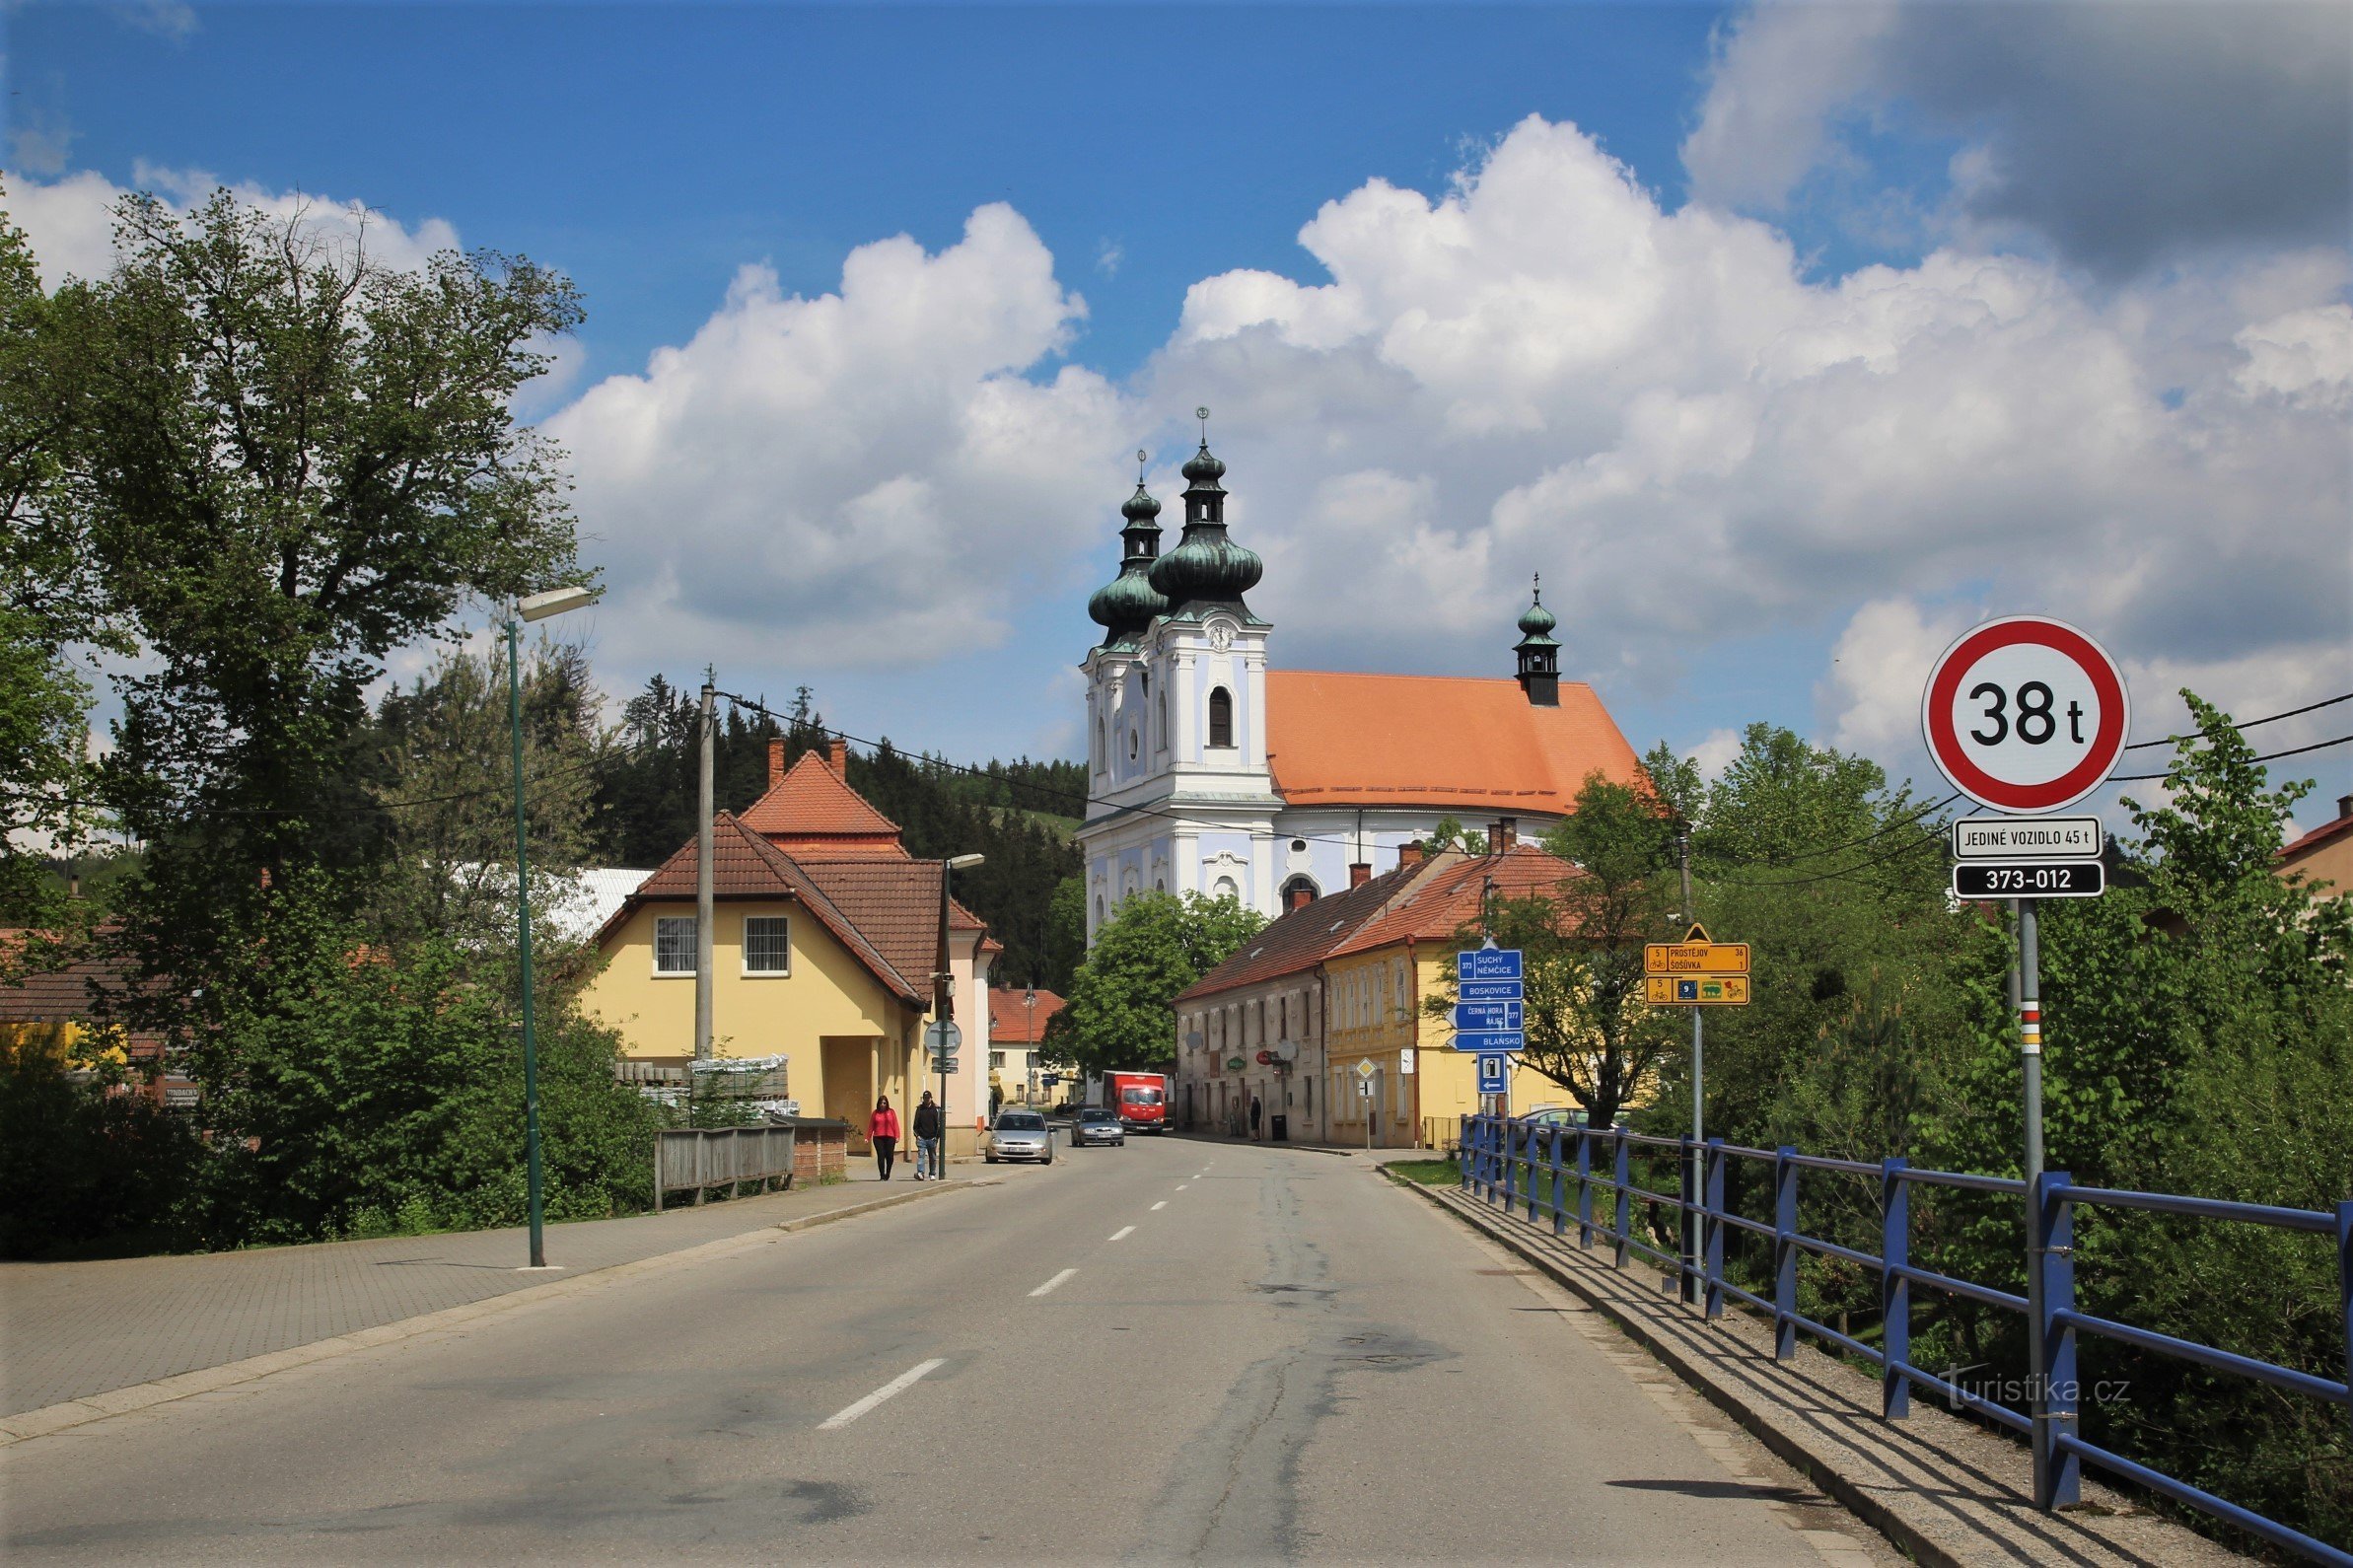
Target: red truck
[1139,1100]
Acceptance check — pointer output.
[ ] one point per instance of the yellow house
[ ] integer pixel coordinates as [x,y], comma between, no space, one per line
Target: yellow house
[1373,983]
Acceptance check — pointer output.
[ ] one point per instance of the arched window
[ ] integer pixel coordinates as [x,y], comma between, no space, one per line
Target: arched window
[1221,719]
[1225,889]
[1102,758]
[1163,719]
[1300,883]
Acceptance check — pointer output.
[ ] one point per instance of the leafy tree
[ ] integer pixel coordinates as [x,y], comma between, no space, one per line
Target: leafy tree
[1449,834]
[1154,946]
[80,1159]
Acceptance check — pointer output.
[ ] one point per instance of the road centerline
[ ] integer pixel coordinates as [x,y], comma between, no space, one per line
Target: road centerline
[896,1387]
[1051,1283]
[1162,1204]
[1123,1232]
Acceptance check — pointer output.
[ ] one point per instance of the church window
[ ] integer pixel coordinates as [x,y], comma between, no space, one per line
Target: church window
[1101,754]
[1300,884]
[1299,846]
[1225,889]
[1221,719]
[1164,720]
[1133,745]
[1099,908]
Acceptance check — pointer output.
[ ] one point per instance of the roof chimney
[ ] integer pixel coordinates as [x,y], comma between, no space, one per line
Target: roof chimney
[2345,804]
[775,761]
[838,754]
[1507,834]
[1410,854]
[1301,897]
[1359,872]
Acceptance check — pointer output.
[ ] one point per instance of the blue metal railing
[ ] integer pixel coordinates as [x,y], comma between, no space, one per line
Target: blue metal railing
[1549,1170]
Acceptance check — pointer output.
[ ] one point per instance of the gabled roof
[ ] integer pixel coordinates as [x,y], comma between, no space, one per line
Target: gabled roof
[811,808]
[1299,938]
[1010,1018]
[1442,903]
[744,865]
[68,995]
[895,902]
[2325,834]
[1451,743]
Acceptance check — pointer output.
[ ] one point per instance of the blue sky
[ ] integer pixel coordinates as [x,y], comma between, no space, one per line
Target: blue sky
[1661,421]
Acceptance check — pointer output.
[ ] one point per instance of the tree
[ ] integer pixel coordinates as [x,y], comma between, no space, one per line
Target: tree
[1155,944]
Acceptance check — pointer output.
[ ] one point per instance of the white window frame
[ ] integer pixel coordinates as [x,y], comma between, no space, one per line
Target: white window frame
[660,921]
[785,972]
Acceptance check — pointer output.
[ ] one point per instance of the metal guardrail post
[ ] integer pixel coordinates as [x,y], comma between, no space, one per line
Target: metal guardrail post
[1560,1188]
[1895,1289]
[1535,1176]
[1785,1252]
[1585,1191]
[1626,1180]
[1711,1220]
[1462,1151]
[1687,1281]
[2344,1284]
[1503,1130]
[2058,1472]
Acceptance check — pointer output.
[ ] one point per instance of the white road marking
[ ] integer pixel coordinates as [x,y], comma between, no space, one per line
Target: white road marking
[1051,1283]
[1181,1185]
[1124,1230]
[896,1386]
[1162,1204]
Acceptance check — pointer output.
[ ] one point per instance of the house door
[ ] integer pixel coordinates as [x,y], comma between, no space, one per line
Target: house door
[849,1085]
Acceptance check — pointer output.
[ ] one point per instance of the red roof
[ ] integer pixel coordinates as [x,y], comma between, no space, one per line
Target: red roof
[1448,742]
[67,995]
[895,902]
[744,865]
[2325,834]
[1012,1021]
[812,810]
[1436,907]
[1300,939]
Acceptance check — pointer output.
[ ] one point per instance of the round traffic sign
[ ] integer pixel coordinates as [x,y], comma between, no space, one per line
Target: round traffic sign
[2025,714]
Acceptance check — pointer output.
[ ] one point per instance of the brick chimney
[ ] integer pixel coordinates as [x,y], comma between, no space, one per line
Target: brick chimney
[837,754]
[1359,872]
[775,761]
[2345,804]
[1410,854]
[1507,833]
[1301,897]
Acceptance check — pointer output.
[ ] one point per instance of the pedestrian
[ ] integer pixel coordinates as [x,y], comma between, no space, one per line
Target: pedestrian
[881,1130]
[1254,1119]
[928,1127]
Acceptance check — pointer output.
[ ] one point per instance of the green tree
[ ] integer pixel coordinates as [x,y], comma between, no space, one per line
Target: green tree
[1154,946]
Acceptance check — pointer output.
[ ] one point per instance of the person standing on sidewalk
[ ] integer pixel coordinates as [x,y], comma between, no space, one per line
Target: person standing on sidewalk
[881,1130]
[928,1127]
[1254,1119]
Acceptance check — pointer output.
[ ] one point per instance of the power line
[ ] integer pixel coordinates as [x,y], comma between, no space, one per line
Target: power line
[1936,842]
[2273,718]
[2267,756]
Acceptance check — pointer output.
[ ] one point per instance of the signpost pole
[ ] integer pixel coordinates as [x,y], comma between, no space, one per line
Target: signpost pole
[2029,1045]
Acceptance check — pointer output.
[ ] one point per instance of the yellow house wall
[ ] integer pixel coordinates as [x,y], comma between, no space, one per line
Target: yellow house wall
[828,995]
[1441,1088]
[2332,863]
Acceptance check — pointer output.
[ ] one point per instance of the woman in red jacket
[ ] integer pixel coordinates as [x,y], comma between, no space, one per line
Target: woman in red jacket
[881,1130]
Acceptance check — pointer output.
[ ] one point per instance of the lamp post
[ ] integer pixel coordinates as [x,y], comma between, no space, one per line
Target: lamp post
[943,982]
[1029,1039]
[534,607]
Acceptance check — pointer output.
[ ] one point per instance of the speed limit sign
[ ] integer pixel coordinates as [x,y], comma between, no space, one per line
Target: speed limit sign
[2025,714]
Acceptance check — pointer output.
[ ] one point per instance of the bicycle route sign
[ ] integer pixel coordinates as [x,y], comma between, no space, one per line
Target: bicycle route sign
[2025,714]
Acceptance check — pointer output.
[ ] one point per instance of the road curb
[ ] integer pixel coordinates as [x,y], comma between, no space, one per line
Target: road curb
[27,1425]
[2001,1527]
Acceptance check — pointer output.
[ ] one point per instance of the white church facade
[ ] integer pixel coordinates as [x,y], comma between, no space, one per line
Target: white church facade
[1211,772]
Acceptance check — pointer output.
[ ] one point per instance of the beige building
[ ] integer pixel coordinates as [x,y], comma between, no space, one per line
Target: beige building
[824,937]
[2323,855]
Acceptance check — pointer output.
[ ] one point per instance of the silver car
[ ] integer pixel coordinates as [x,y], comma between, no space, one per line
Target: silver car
[1020,1135]
[1095,1124]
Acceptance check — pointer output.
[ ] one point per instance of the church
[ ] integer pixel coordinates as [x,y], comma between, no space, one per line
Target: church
[1210,772]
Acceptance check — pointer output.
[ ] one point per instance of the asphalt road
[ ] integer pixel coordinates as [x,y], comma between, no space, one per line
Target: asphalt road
[1176,1350]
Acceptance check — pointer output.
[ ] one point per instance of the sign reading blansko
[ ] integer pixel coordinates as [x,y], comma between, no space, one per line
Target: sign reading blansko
[2027,838]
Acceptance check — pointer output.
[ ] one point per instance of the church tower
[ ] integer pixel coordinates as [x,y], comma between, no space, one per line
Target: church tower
[1540,654]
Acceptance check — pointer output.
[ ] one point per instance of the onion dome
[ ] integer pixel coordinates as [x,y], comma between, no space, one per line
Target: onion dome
[1538,654]
[1536,622]
[1126,605]
[1207,567]
[1140,508]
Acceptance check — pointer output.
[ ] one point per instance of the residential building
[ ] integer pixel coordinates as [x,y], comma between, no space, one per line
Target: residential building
[68,998]
[825,936]
[2325,855]
[1212,772]
[1017,1018]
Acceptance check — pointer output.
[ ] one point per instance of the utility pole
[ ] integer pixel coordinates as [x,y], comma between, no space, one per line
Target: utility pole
[702,878]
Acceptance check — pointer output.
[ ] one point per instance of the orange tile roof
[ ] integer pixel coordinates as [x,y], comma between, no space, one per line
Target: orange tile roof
[895,902]
[69,995]
[1300,939]
[813,810]
[1442,903]
[1010,1018]
[744,865]
[2325,834]
[1454,744]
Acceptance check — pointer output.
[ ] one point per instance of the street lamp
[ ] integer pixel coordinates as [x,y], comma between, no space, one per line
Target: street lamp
[944,994]
[534,607]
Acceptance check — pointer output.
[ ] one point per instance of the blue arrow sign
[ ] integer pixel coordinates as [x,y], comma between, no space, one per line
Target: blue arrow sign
[1487,1015]
[1491,1039]
[1488,991]
[1494,1074]
[1487,963]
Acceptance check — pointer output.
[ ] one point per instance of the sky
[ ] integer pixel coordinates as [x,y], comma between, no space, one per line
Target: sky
[1786,342]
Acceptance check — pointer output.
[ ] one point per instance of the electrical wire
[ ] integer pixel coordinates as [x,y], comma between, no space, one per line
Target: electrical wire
[2267,756]
[2274,718]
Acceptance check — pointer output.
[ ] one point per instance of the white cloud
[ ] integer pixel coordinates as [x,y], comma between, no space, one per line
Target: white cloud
[1718,752]
[865,477]
[70,222]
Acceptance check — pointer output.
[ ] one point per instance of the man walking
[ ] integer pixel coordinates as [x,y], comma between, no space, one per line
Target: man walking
[1255,1114]
[929,1165]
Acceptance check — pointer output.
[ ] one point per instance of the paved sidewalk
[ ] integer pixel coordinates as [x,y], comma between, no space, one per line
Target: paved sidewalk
[70,1330]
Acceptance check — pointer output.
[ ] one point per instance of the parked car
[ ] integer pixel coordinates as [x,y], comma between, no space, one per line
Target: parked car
[1095,1124]
[1556,1117]
[1020,1135]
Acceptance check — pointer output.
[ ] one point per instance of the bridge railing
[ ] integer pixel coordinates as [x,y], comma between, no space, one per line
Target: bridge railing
[1541,1170]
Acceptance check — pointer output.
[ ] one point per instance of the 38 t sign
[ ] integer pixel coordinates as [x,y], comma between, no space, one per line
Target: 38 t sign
[2025,714]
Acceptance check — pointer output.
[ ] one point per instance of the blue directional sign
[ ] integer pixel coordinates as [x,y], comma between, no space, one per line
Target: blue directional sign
[1491,1039]
[1487,1015]
[1488,991]
[1494,1074]
[1487,963]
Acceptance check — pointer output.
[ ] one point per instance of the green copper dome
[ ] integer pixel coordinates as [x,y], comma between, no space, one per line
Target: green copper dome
[1207,567]
[1139,507]
[1126,605]
[1535,621]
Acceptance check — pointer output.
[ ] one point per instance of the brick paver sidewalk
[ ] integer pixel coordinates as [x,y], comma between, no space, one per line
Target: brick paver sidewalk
[69,1330]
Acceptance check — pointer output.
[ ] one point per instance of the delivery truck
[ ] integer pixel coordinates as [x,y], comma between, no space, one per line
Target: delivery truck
[1139,1100]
